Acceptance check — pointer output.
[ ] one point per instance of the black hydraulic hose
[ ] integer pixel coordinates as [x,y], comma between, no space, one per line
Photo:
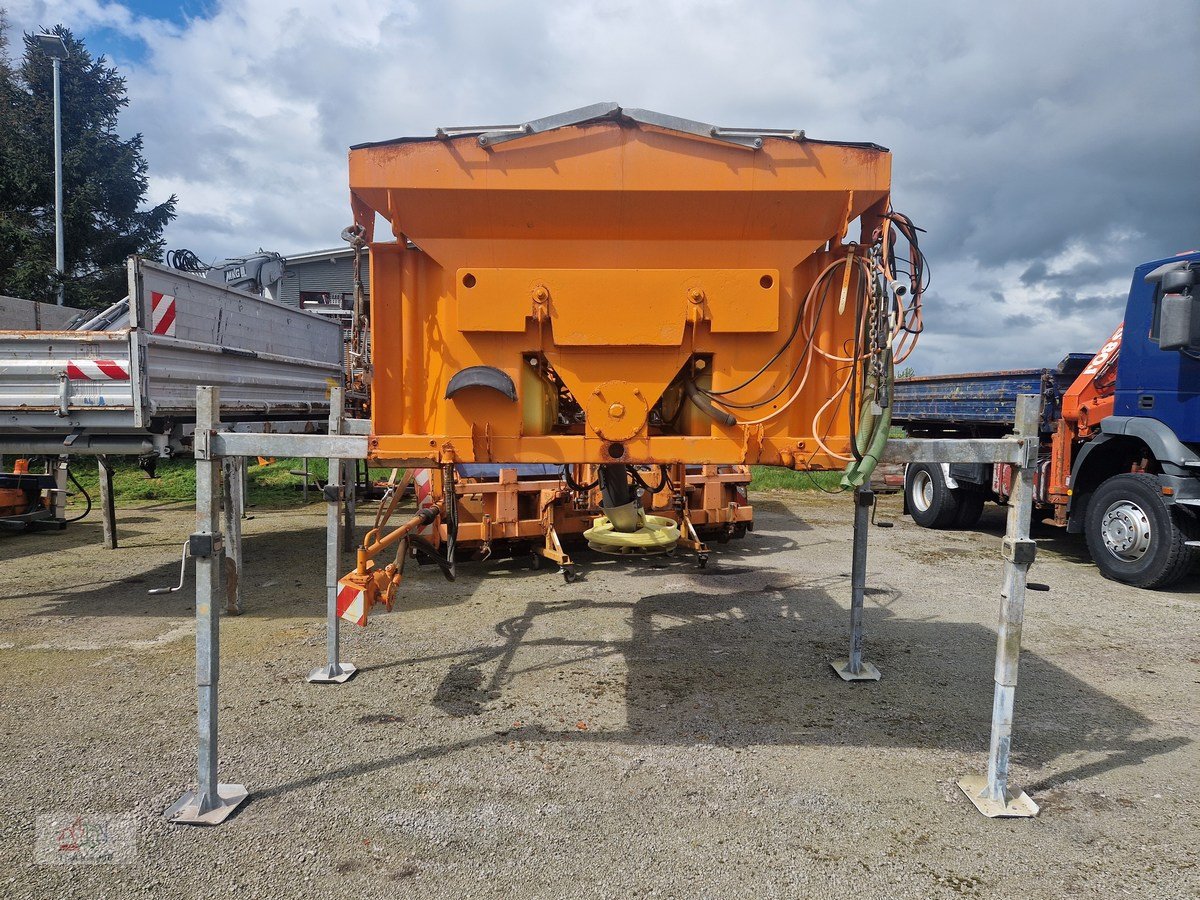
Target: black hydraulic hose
[705,406]
[576,486]
[451,499]
[826,277]
[82,490]
[663,480]
[718,396]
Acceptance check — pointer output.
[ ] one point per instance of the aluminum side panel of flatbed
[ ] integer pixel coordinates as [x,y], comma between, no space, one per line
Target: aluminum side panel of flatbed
[271,361]
[258,385]
[35,388]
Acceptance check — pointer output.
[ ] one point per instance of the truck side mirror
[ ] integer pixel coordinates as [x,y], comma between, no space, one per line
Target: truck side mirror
[1179,306]
[1179,322]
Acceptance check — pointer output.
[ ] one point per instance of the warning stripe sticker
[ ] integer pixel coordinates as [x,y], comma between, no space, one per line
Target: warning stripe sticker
[423,482]
[162,314]
[351,604]
[97,370]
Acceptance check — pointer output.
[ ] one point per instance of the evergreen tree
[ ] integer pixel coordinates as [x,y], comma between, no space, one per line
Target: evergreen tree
[104,179]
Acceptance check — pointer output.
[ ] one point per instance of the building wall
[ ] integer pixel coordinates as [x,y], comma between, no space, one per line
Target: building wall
[23,315]
[334,276]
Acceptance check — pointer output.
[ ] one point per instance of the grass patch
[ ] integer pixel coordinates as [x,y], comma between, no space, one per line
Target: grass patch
[270,485]
[772,478]
[274,485]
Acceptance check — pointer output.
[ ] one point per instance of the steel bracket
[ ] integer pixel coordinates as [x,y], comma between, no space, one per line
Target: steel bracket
[202,546]
[1022,551]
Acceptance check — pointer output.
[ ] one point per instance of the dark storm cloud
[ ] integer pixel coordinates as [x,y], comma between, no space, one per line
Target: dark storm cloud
[1047,147]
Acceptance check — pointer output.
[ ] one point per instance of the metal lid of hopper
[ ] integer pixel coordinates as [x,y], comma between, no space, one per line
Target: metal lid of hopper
[490,135]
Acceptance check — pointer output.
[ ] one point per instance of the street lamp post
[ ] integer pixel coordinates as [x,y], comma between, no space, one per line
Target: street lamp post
[55,48]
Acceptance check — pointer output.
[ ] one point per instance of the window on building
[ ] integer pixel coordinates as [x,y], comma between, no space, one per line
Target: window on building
[314,298]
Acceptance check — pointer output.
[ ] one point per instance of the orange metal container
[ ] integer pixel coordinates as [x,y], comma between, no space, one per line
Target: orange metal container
[592,263]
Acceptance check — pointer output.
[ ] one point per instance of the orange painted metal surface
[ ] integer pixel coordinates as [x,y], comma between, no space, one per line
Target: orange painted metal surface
[598,266]
[1089,399]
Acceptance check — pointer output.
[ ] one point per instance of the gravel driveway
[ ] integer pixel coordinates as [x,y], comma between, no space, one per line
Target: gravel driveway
[654,730]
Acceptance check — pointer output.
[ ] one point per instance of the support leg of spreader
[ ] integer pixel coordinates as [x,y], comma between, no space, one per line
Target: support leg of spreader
[853,668]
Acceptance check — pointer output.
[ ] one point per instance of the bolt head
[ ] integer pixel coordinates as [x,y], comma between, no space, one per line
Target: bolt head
[541,294]
[696,295]
[617,410]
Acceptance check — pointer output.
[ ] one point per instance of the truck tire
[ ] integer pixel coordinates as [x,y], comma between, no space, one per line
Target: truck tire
[931,502]
[1134,535]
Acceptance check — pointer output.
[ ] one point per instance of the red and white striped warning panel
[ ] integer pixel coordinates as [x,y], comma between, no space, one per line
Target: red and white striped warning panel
[352,604]
[97,370]
[162,314]
[423,483]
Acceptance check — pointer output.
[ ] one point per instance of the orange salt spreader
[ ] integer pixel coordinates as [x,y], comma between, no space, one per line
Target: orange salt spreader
[617,288]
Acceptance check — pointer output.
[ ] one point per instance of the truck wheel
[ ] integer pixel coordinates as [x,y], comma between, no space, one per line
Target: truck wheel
[970,508]
[1134,536]
[931,502]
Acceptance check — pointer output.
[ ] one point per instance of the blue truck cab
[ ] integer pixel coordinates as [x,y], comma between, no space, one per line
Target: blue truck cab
[1153,383]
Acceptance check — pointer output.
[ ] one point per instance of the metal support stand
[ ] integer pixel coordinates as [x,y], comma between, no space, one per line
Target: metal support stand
[108,511]
[233,501]
[350,492]
[336,671]
[60,489]
[854,669]
[993,795]
[211,803]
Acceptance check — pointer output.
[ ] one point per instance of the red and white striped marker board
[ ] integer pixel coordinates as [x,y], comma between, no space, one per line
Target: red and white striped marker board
[423,482]
[97,370]
[162,314]
[352,604]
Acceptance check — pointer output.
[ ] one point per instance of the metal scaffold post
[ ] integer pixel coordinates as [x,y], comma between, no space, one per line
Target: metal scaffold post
[233,500]
[108,511]
[993,795]
[211,803]
[335,671]
[853,668]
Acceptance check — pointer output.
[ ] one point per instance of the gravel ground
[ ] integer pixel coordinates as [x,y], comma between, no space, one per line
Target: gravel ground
[654,730]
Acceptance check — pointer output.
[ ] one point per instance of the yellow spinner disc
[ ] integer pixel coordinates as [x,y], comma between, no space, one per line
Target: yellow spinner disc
[658,534]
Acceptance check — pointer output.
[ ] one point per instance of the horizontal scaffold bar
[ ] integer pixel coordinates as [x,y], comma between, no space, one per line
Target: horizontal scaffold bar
[312,446]
[1020,451]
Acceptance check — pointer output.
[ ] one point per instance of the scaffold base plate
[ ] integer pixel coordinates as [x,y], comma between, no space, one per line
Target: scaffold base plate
[338,674]
[1019,804]
[186,810]
[866,671]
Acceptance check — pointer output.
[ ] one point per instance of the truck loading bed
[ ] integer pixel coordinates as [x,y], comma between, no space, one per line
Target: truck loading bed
[980,403]
[133,389]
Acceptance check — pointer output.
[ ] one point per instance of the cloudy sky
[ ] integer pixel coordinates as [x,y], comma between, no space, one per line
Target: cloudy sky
[1047,147]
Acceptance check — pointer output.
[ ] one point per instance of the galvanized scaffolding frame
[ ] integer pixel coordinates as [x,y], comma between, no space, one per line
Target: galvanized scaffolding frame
[212,802]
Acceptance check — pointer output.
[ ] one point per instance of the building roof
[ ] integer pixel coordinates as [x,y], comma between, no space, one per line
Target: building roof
[318,255]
